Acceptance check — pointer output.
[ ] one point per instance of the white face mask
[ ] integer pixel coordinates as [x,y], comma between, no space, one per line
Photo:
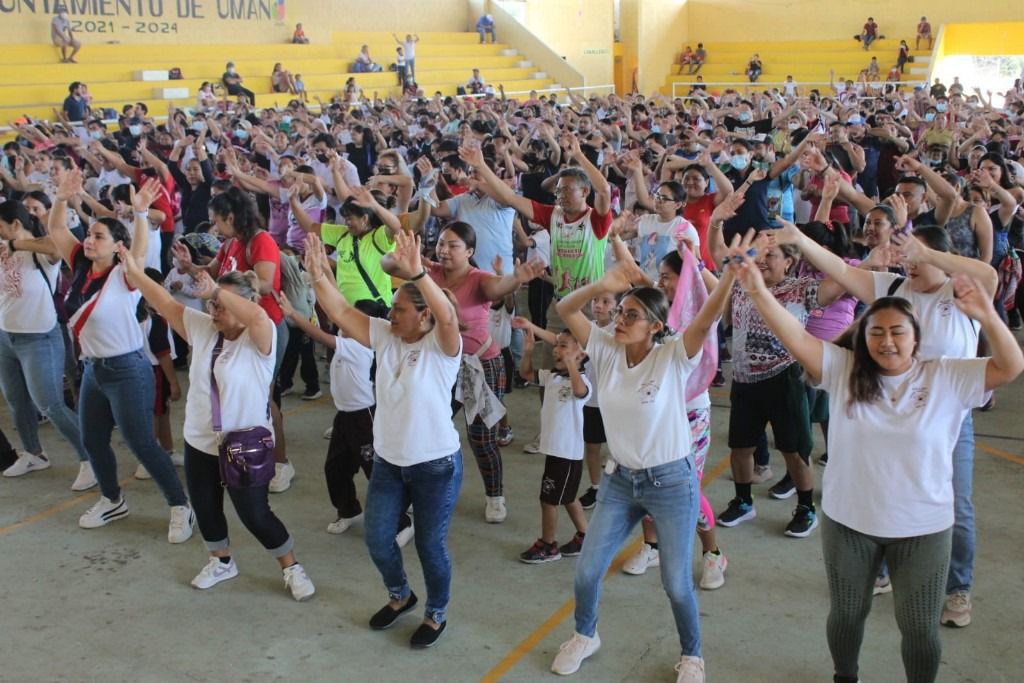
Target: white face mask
[793,125]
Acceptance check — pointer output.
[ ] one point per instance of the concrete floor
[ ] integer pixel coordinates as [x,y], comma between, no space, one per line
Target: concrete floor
[114,604]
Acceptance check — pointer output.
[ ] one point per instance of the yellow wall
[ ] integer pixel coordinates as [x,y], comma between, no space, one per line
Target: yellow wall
[226,21]
[629,34]
[581,31]
[767,20]
[663,30]
[986,39]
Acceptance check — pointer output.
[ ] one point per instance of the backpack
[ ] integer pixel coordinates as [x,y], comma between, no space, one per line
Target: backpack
[295,288]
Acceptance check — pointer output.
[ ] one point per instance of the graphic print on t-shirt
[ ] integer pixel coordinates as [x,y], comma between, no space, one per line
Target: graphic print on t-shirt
[649,391]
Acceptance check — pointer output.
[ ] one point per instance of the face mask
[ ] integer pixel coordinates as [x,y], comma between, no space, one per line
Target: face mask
[746,117]
[738,161]
[793,125]
[96,134]
[231,69]
[941,107]
[135,131]
[929,117]
[198,127]
[241,134]
[286,119]
[322,158]
[655,129]
[449,178]
[855,120]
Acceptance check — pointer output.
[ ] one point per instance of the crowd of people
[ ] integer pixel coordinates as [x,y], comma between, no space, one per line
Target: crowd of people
[853,257]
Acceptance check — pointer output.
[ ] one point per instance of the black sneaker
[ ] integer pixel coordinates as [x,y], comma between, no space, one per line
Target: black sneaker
[738,511]
[1014,319]
[573,547]
[541,552]
[783,489]
[803,523]
[719,380]
[823,460]
[589,499]
[425,637]
[386,616]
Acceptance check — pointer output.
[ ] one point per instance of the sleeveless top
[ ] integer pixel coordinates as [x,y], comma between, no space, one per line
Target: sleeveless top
[961,234]
[577,255]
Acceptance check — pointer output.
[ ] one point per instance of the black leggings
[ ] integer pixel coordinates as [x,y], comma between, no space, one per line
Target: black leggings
[202,476]
[350,450]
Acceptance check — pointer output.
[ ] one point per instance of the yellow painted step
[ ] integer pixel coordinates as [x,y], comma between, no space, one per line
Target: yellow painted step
[462,37]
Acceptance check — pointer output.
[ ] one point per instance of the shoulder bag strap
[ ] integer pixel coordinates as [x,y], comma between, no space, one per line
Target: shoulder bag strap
[214,391]
[362,272]
[39,267]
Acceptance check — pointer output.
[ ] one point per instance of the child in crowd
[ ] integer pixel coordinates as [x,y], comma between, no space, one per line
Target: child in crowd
[501,332]
[601,308]
[158,346]
[561,440]
[300,89]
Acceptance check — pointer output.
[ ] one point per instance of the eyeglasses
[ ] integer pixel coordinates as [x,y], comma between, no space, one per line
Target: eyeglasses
[663,198]
[212,306]
[630,316]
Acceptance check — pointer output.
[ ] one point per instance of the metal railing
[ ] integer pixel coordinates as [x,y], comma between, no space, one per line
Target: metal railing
[761,85]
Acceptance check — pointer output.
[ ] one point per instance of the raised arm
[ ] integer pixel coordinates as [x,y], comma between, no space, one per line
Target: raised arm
[364,198]
[496,288]
[916,251]
[353,323]
[602,190]
[858,282]
[159,298]
[57,224]
[141,201]
[303,323]
[446,321]
[504,194]
[707,317]
[1006,362]
[617,279]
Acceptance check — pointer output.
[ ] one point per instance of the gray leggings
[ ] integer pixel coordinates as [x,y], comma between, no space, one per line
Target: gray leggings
[917,566]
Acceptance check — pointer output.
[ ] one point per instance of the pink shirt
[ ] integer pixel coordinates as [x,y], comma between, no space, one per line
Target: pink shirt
[474,309]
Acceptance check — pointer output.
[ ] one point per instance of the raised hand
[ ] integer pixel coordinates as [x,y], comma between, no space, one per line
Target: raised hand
[910,247]
[529,340]
[129,264]
[205,286]
[286,306]
[743,266]
[183,255]
[314,259]
[971,298]
[623,276]
[70,185]
[729,206]
[145,196]
[521,323]
[407,253]
[830,190]
[787,234]
[899,208]
[530,270]
[473,156]
[498,265]
[908,163]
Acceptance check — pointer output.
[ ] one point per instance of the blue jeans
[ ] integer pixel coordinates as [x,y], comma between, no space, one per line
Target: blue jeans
[433,489]
[487,31]
[119,390]
[961,561]
[32,377]
[671,494]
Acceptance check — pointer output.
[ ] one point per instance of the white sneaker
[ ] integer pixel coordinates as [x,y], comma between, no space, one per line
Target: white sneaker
[182,521]
[27,462]
[645,557]
[882,586]
[177,459]
[328,432]
[533,447]
[103,512]
[495,511]
[403,537]
[714,571]
[214,572]
[690,669]
[142,473]
[298,582]
[86,478]
[343,524]
[572,652]
[284,472]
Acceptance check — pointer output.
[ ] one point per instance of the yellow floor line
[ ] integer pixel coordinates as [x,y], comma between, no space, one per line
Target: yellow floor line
[999,453]
[53,510]
[560,615]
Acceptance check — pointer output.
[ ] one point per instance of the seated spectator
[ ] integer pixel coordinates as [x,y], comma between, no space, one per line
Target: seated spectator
[232,81]
[64,38]
[869,33]
[352,92]
[281,80]
[205,98]
[903,57]
[475,85]
[894,74]
[924,30]
[754,68]
[872,73]
[299,37]
[698,86]
[364,62]
[698,59]
[686,58]
[485,25]
[300,88]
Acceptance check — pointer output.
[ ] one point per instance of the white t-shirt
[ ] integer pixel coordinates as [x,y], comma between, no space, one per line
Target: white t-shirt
[351,387]
[500,325]
[105,324]
[561,416]
[414,389]
[657,239]
[945,330]
[643,407]
[147,329]
[541,247]
[26,300]
[243,383]
[890,466]
[588,368]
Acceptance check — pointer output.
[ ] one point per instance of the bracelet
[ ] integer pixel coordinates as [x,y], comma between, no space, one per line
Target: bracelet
[142,214]
[414,278]
[10,246]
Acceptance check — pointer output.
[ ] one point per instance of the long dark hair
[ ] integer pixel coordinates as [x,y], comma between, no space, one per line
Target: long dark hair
[1000,161]
[247,219]
[15,211]
[865,383]
[655,303]
[466,233]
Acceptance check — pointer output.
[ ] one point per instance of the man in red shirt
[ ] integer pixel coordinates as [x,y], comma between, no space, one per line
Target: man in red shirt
[870,33]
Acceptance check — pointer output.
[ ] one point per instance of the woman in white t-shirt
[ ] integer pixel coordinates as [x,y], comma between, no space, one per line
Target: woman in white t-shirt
[947,332]
[117,380]
[235,342]
[31,343]
[416,446]
[641,374]
[888,490]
